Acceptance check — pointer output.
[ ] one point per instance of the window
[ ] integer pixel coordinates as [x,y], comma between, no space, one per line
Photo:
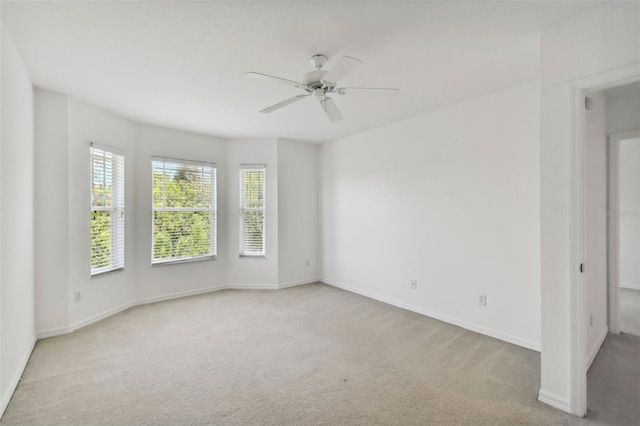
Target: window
[107,210]
[252,210]
[184,210]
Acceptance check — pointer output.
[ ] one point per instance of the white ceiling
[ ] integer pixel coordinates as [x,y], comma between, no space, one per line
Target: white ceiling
[182,64]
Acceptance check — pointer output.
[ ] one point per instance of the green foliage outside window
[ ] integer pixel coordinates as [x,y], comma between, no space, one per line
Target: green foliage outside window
[181,234]
[100,239]
[182,220]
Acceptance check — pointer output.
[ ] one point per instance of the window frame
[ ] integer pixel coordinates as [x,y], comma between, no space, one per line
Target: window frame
[213,243]
[243,209]
[117,209]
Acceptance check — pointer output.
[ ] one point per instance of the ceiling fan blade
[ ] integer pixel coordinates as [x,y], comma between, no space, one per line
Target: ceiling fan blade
[344,67]
[272,78]
[331,109]
[375,90]
[284,103]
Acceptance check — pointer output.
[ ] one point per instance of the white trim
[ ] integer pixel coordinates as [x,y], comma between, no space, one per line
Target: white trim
[553,400]
[108,148]
[184,260]
[249,286]
[617,77]
[296,283]
[445,318]
[577,287]
[630,286]
[182,161]
[52,332]
[95,318]
[15,380]
[596,348]
[613,238]
[110,312]
[178,295]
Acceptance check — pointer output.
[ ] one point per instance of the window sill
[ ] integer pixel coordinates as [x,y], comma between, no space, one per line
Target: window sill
[254,256]
[189,260]
[110,271]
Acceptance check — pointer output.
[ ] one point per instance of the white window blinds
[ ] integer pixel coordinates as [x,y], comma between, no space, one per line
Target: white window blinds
[252,210]
[107,210]
[184,210]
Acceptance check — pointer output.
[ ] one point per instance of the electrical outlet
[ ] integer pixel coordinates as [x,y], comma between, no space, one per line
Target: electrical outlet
[482,300]
[77,296]
[414,284]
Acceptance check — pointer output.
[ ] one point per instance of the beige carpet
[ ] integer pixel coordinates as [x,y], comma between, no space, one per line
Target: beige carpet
[613,389]
[308,355]
[630,311]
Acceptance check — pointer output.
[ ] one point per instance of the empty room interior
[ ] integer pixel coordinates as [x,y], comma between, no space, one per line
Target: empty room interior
[305,212]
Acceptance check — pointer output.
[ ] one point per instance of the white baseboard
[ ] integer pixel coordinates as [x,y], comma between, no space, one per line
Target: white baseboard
[630,286]
[13,384]
[445,318]
[75,326]
[554,400]
[594,351]
[270,286]
[100,316]
[83,323]
[52,332]
[178,295]
[248,286]
[295,283]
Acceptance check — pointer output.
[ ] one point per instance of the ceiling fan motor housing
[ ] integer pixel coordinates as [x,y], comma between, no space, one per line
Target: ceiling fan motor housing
[313,80]
[319,94]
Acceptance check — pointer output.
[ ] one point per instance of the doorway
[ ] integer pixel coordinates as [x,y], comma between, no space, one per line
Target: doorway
[612,252]
[624,231]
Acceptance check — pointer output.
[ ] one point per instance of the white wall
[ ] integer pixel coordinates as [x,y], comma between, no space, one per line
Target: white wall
[600,40]
[623,108]
[52,202]
[2,402]
[596,223]
[17,327]
[450,198]
[252,271]
[64,129]
[297,212]
[99,294]
[629,222]
[162,280]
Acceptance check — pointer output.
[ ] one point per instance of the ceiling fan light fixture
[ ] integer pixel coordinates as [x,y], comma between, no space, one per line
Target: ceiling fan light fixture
[318,94]
[318,61]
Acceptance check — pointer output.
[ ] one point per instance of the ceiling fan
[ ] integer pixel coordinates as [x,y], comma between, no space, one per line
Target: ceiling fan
[320,83]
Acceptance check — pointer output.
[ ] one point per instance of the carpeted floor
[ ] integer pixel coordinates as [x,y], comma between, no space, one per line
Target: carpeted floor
[308,355]
[630,311]
[613,382]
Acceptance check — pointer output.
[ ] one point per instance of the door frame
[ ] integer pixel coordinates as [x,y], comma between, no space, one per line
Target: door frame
[578,318]
[613,225]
